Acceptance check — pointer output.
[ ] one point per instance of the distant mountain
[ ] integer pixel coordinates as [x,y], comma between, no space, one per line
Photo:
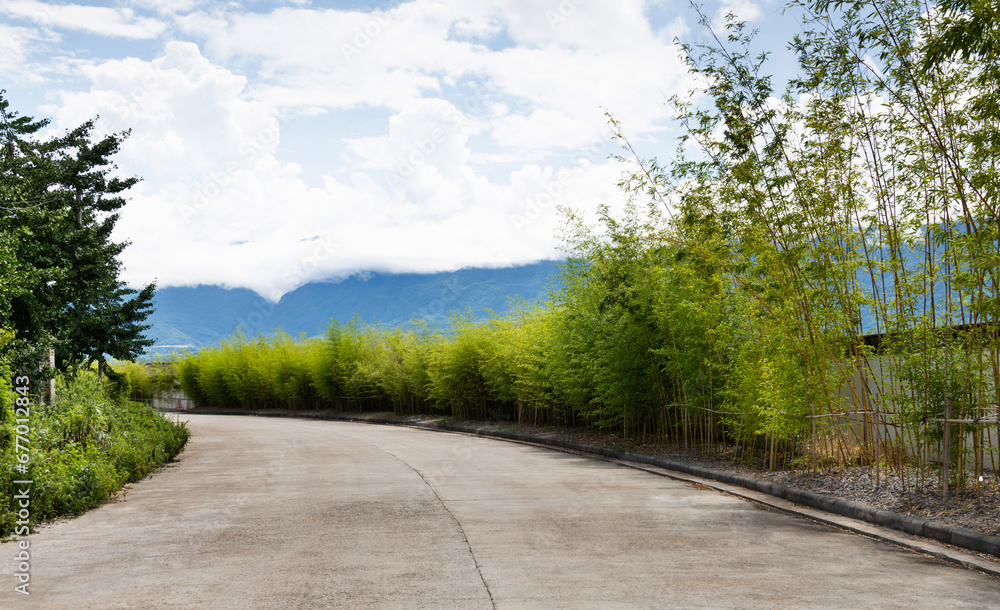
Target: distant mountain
[195,317]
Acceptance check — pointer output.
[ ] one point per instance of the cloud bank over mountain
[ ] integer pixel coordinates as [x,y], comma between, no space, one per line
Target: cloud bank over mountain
[284,144]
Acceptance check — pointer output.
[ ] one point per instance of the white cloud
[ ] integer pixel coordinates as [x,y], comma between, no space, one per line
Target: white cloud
[15,44]
[581,24]
[167,7]
[103,21]
[219,207]
[560,72]
[12,43]
[495,119]
[187,116]
[743,10]
[431,132]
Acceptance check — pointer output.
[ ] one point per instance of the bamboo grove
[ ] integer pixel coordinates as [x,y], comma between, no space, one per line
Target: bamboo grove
[811,280]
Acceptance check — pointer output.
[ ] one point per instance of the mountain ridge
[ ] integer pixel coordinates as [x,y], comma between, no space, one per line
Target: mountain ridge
[194,317]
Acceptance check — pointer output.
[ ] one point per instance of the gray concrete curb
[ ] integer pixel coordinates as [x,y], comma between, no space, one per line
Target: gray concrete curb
[917,526]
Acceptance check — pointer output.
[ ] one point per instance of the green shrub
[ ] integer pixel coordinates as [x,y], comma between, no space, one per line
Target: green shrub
[83,449]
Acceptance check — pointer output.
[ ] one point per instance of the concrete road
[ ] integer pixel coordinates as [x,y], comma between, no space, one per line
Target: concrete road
[279,513]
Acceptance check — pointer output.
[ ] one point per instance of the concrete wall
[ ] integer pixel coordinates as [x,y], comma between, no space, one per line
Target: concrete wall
[864,392]
[172,401]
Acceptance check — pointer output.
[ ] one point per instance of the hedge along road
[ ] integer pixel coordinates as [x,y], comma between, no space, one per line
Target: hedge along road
[279,513]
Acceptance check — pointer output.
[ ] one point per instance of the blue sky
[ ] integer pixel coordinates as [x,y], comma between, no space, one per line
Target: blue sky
[281,143]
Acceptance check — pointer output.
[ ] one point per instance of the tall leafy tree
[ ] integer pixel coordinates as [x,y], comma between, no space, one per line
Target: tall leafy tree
[61,200]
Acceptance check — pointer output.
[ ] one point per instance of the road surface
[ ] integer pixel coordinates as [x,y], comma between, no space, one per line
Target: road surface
[283,513]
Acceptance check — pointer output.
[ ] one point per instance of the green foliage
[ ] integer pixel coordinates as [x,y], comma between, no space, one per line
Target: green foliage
[82,449]
[398,366]
[146,380]
[6,394]
[59,202]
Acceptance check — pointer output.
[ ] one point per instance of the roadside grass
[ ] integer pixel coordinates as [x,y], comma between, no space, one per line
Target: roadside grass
[83,449]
